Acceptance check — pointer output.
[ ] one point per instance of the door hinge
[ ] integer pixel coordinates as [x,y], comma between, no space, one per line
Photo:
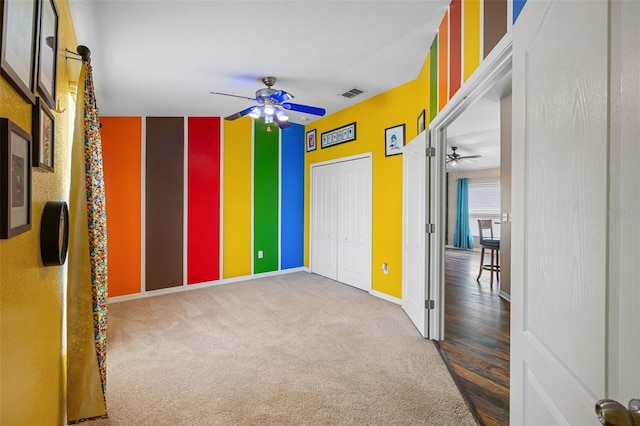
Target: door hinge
[429,304]
[431,151]
[431,228]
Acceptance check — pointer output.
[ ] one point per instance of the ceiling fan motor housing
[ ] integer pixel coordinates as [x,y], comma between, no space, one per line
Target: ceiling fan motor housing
[264,94]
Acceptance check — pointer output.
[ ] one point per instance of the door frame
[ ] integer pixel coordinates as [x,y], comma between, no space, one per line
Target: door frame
[495,66]
[364,155]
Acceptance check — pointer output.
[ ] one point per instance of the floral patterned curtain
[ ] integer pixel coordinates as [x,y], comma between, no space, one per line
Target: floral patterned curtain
[87,274]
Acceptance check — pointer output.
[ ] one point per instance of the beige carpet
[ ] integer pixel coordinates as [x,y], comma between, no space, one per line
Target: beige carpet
[295,349]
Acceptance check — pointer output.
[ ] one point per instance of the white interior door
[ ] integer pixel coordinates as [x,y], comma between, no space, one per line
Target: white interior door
[414,249]
[559,227]
[324,221]
[354,223]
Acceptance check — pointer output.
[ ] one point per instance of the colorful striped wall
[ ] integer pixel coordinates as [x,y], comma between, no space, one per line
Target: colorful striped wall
[199,200]
[468,32]
[194,200]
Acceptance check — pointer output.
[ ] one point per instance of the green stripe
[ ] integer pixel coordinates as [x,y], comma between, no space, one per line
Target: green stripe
[433,80]
[265,197]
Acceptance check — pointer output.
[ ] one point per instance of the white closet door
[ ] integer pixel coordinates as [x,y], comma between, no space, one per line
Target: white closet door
[324,249]
[354,223]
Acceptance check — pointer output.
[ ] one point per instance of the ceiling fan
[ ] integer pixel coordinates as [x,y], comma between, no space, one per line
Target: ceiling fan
[454,158]
[272,105]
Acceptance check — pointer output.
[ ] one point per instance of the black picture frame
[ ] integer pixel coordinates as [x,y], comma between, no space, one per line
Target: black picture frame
[44,132]
[311,140]
[15,179]
[47,51]
[394,140]
[338,136]
[18,45]
[421,122]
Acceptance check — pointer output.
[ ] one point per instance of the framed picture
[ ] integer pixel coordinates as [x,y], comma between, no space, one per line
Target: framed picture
[312,142]
[393,140]
[421,122]
[43,132]
[18,45]
[47,50]
[340,135]
[15,179]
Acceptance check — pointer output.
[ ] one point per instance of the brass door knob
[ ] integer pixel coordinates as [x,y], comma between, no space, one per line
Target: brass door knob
[612,413]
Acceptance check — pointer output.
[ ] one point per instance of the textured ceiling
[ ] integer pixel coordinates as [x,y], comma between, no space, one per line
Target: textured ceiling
[155,58]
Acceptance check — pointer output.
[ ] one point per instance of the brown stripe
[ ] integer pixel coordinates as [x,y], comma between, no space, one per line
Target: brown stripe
[495,23]
[164,202]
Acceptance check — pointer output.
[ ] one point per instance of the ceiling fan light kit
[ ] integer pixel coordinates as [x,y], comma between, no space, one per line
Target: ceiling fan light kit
[272,106]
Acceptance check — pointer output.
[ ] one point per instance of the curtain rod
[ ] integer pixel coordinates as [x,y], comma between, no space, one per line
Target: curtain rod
[83,51]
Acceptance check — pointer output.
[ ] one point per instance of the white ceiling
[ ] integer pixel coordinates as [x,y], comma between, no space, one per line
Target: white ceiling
[477,130]
[163,57]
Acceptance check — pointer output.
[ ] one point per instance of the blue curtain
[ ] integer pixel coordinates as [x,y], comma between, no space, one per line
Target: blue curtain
[462,235]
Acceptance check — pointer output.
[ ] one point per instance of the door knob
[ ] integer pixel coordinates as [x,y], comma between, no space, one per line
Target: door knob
[612,413]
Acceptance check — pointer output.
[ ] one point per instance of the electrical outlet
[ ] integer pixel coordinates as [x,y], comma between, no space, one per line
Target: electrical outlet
[385,268]
[260,254]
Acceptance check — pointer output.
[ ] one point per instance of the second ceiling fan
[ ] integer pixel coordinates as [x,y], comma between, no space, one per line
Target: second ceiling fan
[453,159]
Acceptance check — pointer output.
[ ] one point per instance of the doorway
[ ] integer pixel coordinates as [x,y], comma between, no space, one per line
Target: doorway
[475,315]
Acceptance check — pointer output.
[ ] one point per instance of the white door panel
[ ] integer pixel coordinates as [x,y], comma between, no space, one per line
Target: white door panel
[324,250]
[414,254]
[354,228]
[559,231]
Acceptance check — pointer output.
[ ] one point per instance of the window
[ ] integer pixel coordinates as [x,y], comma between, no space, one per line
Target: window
[484,203]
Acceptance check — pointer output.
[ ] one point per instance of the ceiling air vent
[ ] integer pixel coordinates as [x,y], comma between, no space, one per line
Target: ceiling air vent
[352,93]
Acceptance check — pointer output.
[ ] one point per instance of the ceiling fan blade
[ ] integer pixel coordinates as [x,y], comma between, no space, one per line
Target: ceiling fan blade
[304,109]
[470,156]
[281,96]
[239,114]
[283,124]
[235,96]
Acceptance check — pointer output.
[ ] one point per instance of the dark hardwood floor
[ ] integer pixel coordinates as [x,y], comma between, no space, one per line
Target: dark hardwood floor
[476,341]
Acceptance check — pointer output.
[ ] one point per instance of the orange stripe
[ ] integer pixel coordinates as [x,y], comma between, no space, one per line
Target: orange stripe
[121,153]
[443,60]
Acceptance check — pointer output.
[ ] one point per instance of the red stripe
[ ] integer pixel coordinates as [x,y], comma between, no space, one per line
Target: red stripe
[455,46]
[203,244]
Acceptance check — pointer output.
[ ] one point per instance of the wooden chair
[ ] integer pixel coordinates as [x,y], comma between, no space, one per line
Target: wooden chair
[486,229]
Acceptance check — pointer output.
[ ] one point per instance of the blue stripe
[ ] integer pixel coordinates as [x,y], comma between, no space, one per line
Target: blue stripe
[292,197]
[517,8]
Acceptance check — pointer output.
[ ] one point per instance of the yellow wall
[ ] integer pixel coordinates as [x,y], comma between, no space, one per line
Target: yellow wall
[32,352]
[373,116]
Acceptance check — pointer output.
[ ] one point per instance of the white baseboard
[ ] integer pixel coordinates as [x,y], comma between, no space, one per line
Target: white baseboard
[171,290]
[386,297]
[505,296]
